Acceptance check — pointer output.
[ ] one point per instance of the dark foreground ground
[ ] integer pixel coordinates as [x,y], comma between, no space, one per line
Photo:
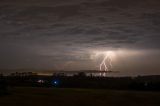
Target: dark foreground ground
[78,97]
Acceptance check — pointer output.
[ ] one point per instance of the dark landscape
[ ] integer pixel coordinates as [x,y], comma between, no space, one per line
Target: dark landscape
[28,96]
[79,90]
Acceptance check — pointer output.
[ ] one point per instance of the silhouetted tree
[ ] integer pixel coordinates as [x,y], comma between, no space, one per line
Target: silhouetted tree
[81,74]
[3,85]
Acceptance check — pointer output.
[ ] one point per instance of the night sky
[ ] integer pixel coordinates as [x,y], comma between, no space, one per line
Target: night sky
[67,35]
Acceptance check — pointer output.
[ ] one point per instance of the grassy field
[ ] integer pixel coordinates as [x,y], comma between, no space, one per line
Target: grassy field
[78,97]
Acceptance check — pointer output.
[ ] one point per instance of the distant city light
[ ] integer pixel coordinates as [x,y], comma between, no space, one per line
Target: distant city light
[40,81]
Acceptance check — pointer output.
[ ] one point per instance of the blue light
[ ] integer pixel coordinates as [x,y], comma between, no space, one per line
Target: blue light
[55,82]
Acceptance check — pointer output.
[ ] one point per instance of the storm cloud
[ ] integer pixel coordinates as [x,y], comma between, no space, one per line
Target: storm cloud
[66,31]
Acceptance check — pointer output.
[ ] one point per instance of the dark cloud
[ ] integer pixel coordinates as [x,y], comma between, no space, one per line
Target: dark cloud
[67,30]
[107,19]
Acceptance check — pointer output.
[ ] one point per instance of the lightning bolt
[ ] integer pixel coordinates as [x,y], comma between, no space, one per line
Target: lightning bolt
[108,59]
[104,63]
